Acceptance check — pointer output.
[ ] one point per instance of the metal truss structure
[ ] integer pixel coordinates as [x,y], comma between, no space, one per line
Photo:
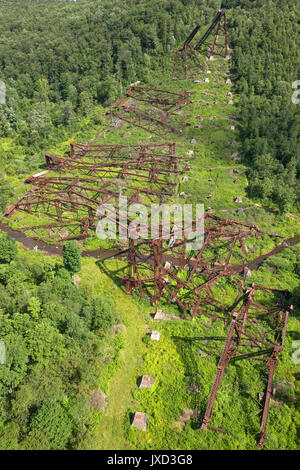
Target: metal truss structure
[261,328]
[220,44]
[187,62]
[163,268]
[97,175]
[156,111]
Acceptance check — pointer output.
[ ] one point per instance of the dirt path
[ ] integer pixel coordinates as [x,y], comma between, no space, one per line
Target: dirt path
[52,250]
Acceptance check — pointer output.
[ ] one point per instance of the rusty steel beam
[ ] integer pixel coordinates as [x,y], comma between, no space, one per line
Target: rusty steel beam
[269,331]
[187,63]
[121,152]
[163,99]
[155,111]
[222,31]
[159,271]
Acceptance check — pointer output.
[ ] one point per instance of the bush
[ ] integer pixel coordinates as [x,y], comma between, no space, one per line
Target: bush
[72,259]
[8,249]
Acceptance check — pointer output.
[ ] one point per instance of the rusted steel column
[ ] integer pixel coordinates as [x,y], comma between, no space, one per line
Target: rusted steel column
[228,352]
[272,365]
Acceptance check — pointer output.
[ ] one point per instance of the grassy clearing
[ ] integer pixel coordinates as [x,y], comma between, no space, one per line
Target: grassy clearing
[109,434]
[177,361]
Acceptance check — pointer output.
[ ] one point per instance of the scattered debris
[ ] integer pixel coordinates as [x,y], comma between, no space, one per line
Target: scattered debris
[245,249]
[160,315]
[188,414]
[155,335]
[168,266]
[98,400]
[205,340]
[193,388]
[76,280]
[202,353]
[118,327]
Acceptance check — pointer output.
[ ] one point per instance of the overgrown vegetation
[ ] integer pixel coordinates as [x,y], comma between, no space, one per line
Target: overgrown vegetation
[265,38]
[56,339]
[72,59]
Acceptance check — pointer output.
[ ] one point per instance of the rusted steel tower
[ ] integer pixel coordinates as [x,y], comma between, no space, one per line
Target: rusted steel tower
[187,62]
[260,327]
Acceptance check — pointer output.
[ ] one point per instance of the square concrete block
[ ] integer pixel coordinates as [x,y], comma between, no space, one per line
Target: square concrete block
[140,421]
[147,381]
[155,336]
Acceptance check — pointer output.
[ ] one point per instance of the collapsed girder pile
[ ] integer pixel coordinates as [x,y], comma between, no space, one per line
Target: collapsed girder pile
[256,332]
[163,268]
[156,111]
[93,176]
[188,63]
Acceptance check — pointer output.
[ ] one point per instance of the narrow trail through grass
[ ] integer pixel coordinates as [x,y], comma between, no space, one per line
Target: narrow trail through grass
[110,432]
[111,429]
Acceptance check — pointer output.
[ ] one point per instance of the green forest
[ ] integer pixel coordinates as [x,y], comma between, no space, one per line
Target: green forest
[76,344]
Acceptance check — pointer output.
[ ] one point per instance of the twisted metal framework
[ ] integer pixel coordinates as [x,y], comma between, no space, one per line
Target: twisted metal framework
[97,175]
[187,63]
[156,111]
[260,327]
[220,44]
[155,267]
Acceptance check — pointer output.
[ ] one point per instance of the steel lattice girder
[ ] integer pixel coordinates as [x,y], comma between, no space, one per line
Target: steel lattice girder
[149,174]
[220,24]
[162,99]
[157,265]
[144,171]
[258,326]
[138,169]
[217,48]
[187,63]
[76,191]
[122,152]
[155,111]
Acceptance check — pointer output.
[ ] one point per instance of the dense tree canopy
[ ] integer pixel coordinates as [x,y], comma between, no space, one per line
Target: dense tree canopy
[54,338]
[265,37]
